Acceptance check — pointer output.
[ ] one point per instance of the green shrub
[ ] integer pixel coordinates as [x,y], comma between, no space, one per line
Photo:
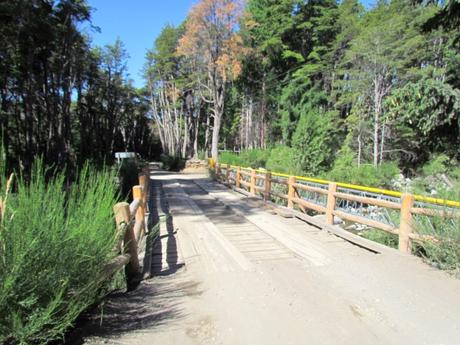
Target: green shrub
[436,165]
[365,174]
[173,163]
[445,252]
[230,158]
[53,244]
[282,159]
[382,237]
[256,158]
[314,140]
[202,154]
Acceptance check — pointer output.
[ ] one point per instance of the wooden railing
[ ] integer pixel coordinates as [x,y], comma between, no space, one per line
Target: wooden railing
[262,182]
[131,229]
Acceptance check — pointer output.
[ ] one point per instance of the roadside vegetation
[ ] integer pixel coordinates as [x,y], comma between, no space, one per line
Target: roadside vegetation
[54,241]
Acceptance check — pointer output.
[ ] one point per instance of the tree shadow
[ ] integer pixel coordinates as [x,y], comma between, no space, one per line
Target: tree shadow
[153,305]
[160,261]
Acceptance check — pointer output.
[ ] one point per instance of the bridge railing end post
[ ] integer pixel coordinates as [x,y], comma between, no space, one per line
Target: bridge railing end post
[406,223]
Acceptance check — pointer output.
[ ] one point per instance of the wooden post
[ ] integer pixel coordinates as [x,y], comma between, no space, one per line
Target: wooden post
[227,174]
[144,183]
[238,177]
[217,170]
[253,182]
[138,193]
[406,223]
[122,219]
[330,206]
[291,191]
[267,185]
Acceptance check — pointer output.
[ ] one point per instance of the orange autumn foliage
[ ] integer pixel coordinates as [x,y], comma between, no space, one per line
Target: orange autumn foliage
[211,39]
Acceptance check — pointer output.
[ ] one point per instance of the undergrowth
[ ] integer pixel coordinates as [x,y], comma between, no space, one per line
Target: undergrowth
[53,245]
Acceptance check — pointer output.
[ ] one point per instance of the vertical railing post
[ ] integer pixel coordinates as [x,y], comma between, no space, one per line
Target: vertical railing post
[330,206]
[406,223]
[122,219]
[144,183]
[217,170]
[227,174]
[253,182]
[238,177]
[267,185]
[291,191]
[140,213]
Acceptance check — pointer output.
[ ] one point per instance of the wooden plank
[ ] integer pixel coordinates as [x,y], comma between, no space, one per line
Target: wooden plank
[311,189]
[368,201]
[245,184]
[279,181]
[310,205]
[365,221]
[279,195]
[435,213]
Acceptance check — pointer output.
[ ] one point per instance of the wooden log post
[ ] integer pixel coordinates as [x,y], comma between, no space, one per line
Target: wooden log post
[253,182]
[291,191]
[138,193]
[227,174]
[125,228]
[267,185]
[238,177]
[406,223]
[330,206]
[144,182]
[217,170]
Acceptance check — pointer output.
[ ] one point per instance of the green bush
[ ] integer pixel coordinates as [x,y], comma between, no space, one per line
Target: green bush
[230,158]
[437,165]
[314,140]
[256,158]
[382,237]
[283,160]
[53,245]
[445,252]
[346,170]
[172,163]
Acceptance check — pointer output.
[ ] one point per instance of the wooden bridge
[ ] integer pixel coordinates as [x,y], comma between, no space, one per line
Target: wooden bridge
[229,268]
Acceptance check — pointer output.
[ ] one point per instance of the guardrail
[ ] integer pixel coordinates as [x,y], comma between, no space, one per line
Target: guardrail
[382,209]
[131,228]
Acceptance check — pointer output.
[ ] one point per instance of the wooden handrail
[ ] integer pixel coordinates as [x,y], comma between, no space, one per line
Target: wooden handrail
[405,231]
[131,227]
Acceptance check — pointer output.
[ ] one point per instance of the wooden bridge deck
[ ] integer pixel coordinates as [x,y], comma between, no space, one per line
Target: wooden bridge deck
[228,271]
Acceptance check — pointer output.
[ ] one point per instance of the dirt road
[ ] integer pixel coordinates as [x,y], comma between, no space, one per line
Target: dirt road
[252,277]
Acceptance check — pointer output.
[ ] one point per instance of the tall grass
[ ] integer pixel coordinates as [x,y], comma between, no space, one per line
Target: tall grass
[53,244]
[444,252]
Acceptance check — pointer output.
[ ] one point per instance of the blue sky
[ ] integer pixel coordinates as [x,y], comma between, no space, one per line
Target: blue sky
[137,23]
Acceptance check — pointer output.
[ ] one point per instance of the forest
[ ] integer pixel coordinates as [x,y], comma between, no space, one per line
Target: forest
[315,87]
